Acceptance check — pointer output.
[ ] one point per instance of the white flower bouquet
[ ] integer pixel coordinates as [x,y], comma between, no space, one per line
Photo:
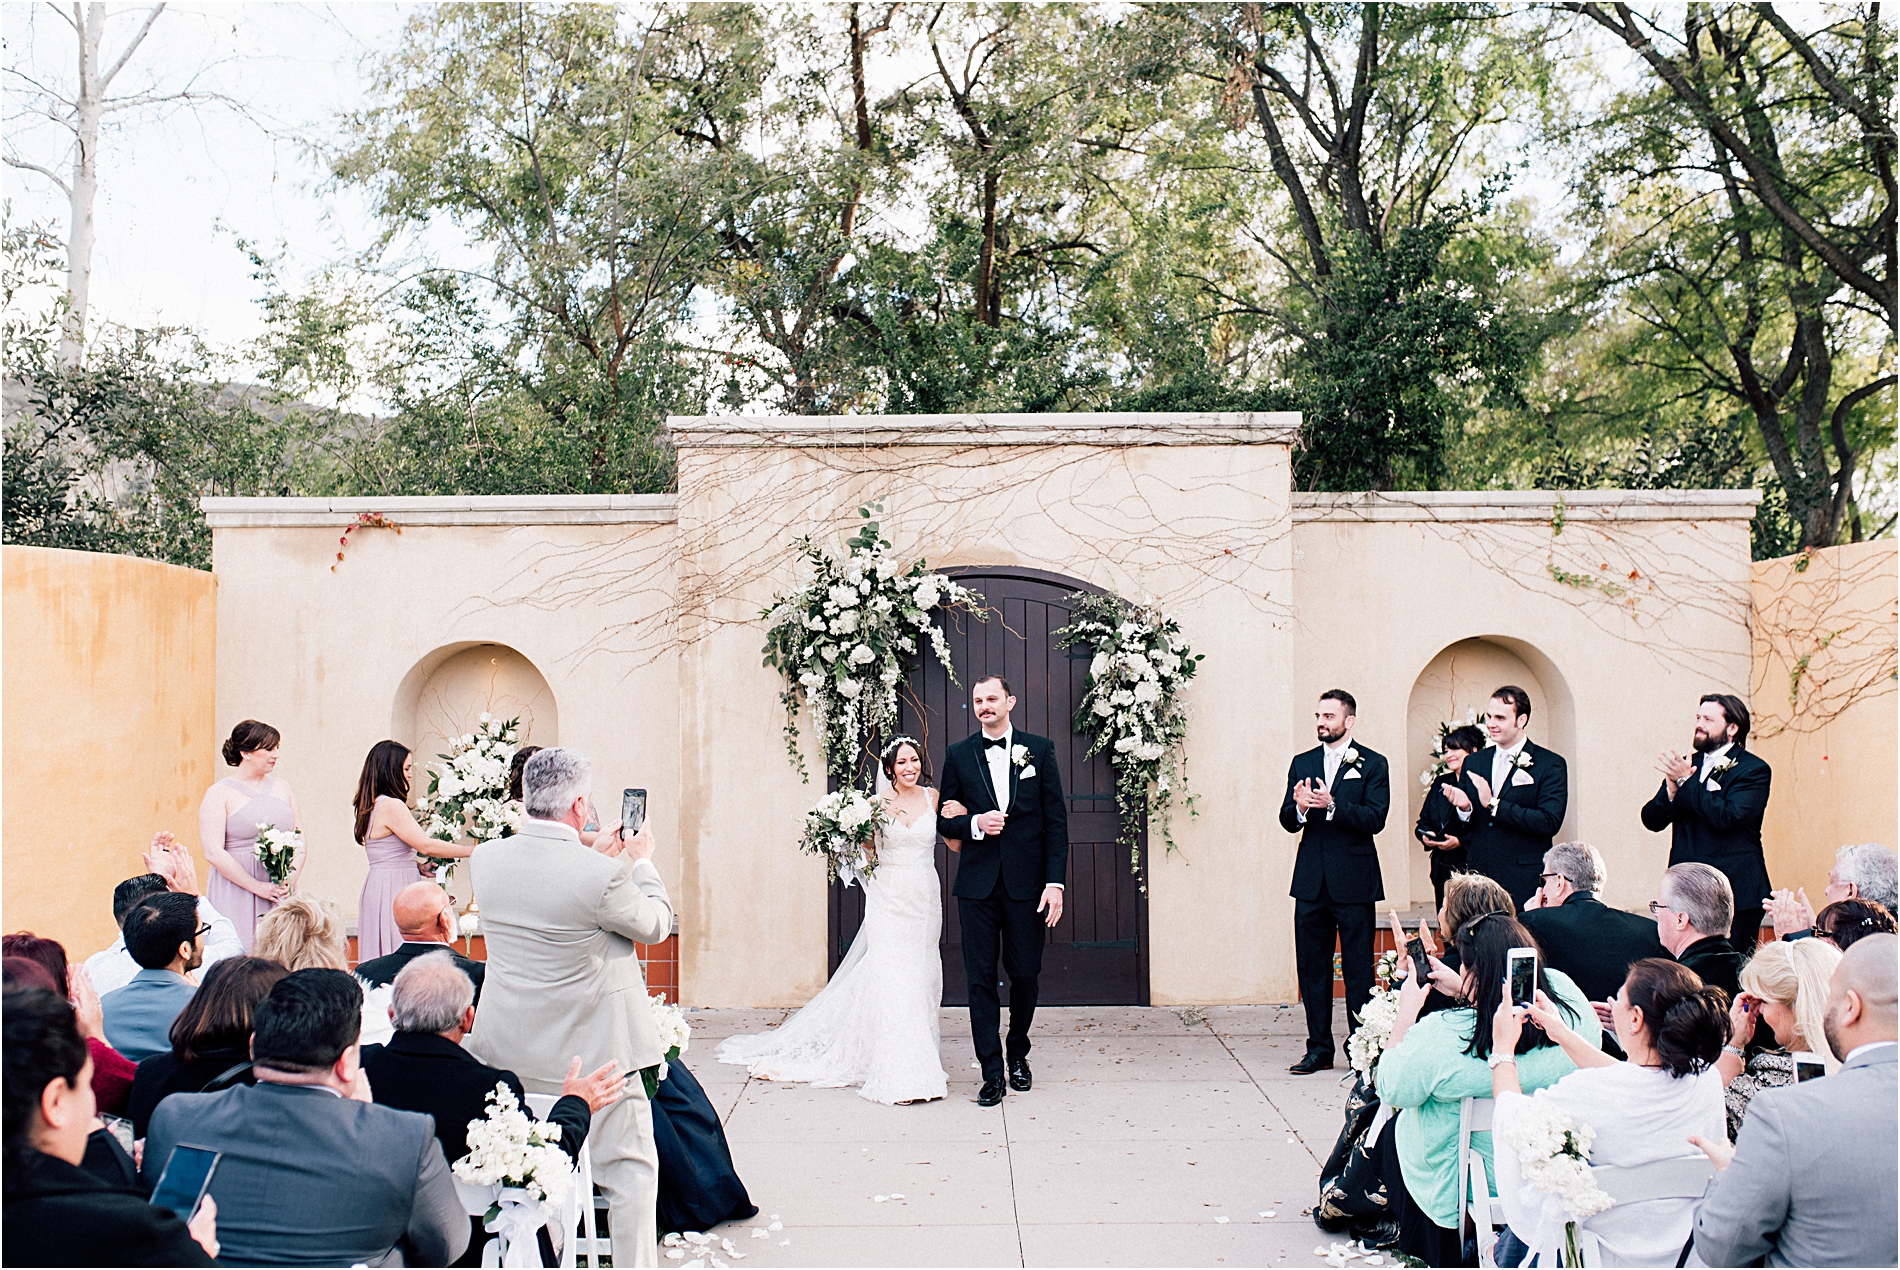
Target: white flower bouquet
[510,1149]
[277,851]
[1553,1154]
[467,796]
[846,639]
[674,1035]
[1132,705]
[840,827]
[1369,1040]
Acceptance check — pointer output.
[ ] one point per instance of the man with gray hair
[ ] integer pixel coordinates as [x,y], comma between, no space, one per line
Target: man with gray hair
[1694,908]
[562,922]
[1863,871]
[424,1067]
[1581,935]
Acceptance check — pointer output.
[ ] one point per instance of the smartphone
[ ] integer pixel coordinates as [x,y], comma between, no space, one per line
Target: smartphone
[1522,963]
[187,1177]
[120,1128]
[1421,964]
[1807,1065]
[633,811]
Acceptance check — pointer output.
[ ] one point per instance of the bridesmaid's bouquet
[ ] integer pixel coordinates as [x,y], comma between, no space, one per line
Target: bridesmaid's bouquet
[840,828]
[277,851]
[467,798]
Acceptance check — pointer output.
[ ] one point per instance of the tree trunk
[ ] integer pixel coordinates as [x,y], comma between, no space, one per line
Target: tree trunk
[989,303]
[88,109]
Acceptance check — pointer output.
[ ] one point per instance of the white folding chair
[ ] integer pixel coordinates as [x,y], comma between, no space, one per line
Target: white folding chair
[1684,1178]
[1478,1209]
[587,1242]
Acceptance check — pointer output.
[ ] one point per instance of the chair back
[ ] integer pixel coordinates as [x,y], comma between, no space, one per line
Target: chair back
[1478,1210]
[586,1241]
[1686,1177]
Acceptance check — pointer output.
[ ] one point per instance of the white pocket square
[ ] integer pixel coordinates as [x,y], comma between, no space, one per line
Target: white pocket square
[1026,773]
[1713,787]
[1352,774]
[1522,778]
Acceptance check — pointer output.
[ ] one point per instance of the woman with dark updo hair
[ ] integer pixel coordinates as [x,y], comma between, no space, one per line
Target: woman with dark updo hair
[1672,1026]
[228,821]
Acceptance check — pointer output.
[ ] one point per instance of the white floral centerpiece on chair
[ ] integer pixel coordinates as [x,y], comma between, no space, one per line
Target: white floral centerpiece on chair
[519,1156]
[468,790]
[1553,1154]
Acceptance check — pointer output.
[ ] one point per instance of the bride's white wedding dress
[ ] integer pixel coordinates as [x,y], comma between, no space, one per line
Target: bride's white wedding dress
[876,1023]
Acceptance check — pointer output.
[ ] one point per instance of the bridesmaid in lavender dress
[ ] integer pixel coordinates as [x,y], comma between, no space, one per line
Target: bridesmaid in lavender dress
[227,825]
[389,832]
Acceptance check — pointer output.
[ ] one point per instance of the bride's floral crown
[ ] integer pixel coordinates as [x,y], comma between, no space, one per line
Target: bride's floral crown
[889,751]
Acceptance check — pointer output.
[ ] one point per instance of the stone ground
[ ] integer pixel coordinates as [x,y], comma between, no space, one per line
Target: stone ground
[1144,1131]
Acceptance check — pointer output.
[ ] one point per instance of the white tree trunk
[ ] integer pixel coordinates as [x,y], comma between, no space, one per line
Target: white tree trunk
[88,109]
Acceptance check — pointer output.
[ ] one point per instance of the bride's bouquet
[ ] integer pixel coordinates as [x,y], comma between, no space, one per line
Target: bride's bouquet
[277,851]
[674,1035]
[517,1154]
[840,827]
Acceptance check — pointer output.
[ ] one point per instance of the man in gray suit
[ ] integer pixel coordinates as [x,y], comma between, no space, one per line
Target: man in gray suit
[1813,1178]
[564,978]
[313,1173]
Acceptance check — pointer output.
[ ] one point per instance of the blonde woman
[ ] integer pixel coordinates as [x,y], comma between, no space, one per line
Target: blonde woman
[306,933]
[1785,985]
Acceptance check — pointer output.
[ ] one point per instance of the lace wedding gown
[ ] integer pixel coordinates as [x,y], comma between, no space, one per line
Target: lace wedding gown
[876,1023]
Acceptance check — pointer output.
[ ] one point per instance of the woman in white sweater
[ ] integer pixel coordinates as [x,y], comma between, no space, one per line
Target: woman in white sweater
[1673,1028]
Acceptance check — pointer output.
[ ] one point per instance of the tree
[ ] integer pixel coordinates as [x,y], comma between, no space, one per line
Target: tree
[1743,205]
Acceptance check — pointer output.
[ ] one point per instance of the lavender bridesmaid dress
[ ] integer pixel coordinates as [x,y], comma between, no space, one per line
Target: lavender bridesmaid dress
[392,866]
[240,843]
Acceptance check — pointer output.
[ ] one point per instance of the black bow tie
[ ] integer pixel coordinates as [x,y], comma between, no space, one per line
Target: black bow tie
[999,741]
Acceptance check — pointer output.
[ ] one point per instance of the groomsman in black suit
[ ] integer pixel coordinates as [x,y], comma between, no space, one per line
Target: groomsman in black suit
[1337,797]
[1713,806]
[1511,797]
[1012,868]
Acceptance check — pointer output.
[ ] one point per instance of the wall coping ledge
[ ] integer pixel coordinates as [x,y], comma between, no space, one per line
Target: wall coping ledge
[1527,505]
[969,430]
[443,510]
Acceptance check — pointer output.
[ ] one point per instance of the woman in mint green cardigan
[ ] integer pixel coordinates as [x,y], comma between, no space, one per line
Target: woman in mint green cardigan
[1431,1064]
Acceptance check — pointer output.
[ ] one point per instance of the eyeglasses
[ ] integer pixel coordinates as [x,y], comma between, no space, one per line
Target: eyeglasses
[202,930]
[1656,906]
[1548,876]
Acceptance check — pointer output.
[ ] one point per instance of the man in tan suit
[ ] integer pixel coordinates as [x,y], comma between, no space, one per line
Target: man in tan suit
[561,921]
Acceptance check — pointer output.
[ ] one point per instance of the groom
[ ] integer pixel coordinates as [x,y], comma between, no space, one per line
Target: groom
[1015,849]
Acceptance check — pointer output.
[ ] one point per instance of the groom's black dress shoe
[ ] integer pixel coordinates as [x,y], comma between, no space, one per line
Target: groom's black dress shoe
[1315,1061]
[991,1093]
[1019,1077]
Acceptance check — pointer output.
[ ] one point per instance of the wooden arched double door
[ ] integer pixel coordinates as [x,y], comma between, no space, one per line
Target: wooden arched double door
[1098,953]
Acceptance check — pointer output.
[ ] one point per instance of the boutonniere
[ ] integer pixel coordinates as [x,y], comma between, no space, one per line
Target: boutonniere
[1723,768]
[1521,761]
[1019,754]
[1352,757]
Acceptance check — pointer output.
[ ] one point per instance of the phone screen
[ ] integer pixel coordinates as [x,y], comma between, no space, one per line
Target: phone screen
[186,1178]
[633,811]
[1523,964]
[1421,965]
[1807,1066]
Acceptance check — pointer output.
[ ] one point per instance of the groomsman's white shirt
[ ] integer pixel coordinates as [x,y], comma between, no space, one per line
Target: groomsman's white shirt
[1330,755]
[1710,759]
[1501,767]
[114,967]
[997,756]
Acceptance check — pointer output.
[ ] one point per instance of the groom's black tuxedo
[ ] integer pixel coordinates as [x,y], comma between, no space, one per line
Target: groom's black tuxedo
[1000,880]
[1033,850]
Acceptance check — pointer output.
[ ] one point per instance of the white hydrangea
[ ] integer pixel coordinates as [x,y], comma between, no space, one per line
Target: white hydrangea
[849,689]
[845,597]
[1553,1153]
[862,655]
[510,1149]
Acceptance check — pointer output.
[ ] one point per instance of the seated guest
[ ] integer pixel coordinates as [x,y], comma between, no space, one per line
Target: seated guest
[424,1068]
[172,869]
[1845,923]
[302,933]
[1693,910]
[1432,1064]
[61,1209]
[1785,986]
[1811,1182]
[211,1038]
[1581,935]
[425,914]
[1672,1028]
[111,1071]
[1438,825]
[164,937]
[313,1173]
[1865,872]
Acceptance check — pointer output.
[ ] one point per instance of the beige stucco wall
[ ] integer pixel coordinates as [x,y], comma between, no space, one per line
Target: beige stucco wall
[417,633]
[1383,584]
[1831,739]
[1202,528]
[109,685]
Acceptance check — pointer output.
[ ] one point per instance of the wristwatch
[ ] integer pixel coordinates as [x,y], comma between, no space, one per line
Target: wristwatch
[1498,1060]
[1730,1049]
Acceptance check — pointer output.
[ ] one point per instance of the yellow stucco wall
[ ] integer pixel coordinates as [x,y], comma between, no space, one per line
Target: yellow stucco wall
[110,675]
[1832,733]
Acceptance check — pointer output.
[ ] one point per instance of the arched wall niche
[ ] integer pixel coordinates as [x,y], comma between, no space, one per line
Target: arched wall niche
[1460,679]
[445,694]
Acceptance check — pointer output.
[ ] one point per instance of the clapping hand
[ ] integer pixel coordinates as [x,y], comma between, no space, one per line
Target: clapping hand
[1790,912]
[88,1012]
[603,1088]
[1483,787]
[1675,769]
[1456,796]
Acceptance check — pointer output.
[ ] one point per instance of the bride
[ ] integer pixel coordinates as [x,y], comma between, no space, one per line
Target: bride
[876,1023]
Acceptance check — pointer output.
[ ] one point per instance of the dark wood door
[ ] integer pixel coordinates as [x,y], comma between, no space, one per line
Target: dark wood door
[1098,953]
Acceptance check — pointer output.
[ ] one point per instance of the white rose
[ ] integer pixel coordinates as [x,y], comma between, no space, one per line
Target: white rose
[847,623]
[862,655]
[829,652]
[843,596]
[849,689]
[1099,666]
[1147,690]
[1123,697]
[927,593]
[1103,708]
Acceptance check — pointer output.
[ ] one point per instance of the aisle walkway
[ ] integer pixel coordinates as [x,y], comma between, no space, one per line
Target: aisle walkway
[1144,1130]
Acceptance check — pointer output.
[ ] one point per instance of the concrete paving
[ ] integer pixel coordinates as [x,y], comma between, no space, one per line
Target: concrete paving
[1146,1128]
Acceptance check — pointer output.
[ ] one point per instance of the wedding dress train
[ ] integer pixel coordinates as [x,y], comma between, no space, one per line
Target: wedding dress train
[876,1023]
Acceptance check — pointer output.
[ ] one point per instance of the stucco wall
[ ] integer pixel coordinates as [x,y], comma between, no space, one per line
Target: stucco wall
[1384,583]
[110,680]
[1138,505]
[1830,732]
[396,640]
